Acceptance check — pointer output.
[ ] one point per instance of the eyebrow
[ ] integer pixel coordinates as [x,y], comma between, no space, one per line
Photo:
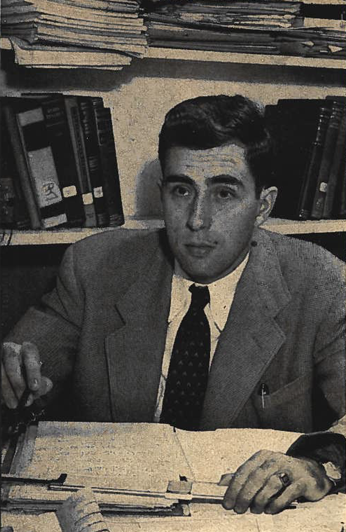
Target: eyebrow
[222,179]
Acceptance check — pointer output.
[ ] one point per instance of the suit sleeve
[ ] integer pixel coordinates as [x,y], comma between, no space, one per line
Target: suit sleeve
[329,445]
[54,326]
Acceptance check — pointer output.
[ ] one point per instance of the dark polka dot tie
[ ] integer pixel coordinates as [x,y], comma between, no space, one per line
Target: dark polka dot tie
[189,367]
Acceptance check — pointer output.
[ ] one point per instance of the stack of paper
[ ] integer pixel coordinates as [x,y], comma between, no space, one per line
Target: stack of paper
[143,457]
[111,26]
[267,27]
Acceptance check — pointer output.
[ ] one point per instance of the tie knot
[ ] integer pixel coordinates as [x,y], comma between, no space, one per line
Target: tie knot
[200,296]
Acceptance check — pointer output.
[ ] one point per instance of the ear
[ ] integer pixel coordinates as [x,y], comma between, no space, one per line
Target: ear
[266,204]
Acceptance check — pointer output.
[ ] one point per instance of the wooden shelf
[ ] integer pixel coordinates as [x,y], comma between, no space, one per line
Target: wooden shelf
[69,236]
[173,54]
[255,59]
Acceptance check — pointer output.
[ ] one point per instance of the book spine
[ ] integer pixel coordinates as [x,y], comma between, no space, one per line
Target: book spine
[323,178]
[313,166]
[93,159]
[7,202]
[11,197]
[43,174]
[339,154]
[73,118]
[22,168]
[342,178]
[60,140]
[104,128]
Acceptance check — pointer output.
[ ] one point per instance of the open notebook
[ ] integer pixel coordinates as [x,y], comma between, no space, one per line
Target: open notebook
[141,456]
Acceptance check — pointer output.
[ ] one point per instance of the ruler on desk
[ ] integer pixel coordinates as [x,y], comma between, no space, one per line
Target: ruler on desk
[183,490]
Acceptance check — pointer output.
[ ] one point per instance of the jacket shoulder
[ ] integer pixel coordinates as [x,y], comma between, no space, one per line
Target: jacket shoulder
[307,262]
[114,249]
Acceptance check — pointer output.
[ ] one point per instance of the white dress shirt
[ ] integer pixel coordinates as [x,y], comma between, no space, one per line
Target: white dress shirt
[221,298]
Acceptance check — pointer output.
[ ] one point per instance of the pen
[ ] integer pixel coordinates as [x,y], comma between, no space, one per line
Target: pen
[263,391]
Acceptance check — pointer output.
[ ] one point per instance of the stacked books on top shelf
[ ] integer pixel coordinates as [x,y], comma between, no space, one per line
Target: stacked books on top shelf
[267,27]
[309,157]
[82,33]
[58,164]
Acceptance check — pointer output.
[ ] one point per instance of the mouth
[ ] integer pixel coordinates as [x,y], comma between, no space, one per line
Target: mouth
[199,250]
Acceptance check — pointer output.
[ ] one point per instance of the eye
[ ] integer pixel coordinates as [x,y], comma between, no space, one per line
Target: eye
[181,191]
[224,193]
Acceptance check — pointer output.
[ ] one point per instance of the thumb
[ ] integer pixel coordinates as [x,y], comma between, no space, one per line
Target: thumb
[45,387]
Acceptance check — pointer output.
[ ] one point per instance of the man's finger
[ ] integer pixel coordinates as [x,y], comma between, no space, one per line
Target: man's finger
[45,387]
[240,477]
[290,494]
[12,363]
[31,361]
[7,392]
[271,488]
[254,483]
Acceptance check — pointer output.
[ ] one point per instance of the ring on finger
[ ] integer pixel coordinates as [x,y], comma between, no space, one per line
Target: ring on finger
[284,479]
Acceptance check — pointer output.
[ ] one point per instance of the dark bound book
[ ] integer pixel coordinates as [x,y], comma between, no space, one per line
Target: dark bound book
[74,121]
[41,166]
[59,136]
[313,165]
[110,176]
[293,125]
[93,159]
[324,184]
[14,138]
[13,208]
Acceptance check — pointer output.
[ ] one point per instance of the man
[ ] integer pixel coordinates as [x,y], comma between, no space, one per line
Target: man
[212,323]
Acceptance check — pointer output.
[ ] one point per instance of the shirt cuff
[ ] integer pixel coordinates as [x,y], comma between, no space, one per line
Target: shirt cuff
[323,447]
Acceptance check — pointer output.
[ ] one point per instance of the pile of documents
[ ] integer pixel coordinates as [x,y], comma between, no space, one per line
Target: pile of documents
[130,467]
[266,27]
[111,28]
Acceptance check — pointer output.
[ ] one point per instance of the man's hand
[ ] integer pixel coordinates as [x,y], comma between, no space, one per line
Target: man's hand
[269,481]
[21,369]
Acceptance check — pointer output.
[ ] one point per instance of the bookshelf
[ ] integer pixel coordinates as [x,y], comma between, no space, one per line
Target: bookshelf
[139,96]
[142,93]
[69,236]
[170,54]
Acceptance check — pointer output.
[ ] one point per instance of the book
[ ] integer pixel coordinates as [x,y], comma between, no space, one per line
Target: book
[313,165]
[110,176]
[55,56]
[13,209]
[93,159]
[24,185]
[105,25]
[292,124]
[74,122]
[335,175]
[143,456]
[322,183]
[7,200]
[59,136]
[41,165]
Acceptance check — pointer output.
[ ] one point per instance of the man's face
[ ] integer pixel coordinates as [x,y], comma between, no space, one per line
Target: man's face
[210,209]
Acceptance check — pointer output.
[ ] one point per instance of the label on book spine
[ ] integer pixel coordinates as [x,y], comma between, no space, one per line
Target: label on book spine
[323,187]
[98,192]
[54,221]
[69,192]
[45,177]
[88,198]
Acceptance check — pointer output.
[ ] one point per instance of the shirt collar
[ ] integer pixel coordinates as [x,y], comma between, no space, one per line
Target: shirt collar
[221,293]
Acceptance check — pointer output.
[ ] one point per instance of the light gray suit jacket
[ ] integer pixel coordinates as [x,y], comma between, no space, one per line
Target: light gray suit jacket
[103,329]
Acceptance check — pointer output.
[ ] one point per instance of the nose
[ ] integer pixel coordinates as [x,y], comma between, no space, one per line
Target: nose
[200,215]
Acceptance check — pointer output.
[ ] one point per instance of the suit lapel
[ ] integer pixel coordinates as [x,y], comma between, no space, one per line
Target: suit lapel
[134,351]
[251,337]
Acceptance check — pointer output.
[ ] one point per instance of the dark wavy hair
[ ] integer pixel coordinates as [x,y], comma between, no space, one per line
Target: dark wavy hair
[212,121]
